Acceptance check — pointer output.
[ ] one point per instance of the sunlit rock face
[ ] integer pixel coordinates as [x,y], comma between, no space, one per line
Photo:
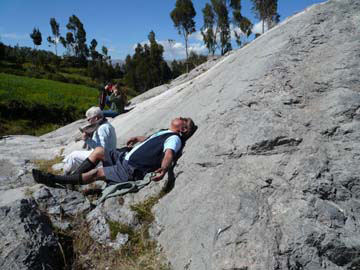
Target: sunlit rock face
[270,180]
[27,237]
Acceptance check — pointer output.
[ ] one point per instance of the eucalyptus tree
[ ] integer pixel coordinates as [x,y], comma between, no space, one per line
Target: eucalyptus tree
[160,69]
[183,17]
[243,23]
[266,11]
[223,24]
[69,43]
[56,33]
[147,67]
[93,53]
[207,31]
[36,37]
[273,20]
[105,51]
[79,35]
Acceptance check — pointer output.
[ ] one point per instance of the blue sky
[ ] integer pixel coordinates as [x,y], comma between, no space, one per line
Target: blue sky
[117,24]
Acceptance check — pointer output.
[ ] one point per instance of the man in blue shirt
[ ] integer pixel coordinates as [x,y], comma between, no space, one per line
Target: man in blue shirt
[103,134]
[154,154]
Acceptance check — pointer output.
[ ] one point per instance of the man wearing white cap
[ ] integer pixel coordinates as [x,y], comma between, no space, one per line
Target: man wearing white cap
[103,134]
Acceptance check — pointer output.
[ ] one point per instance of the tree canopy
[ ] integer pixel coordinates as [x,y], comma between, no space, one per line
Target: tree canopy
[78,40]
[207,31]
[147,67]
[36,37]
[266,11]
[183,17]
[240,21]
[56,33]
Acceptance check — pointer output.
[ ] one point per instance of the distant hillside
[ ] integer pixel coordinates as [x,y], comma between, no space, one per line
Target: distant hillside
[34,106]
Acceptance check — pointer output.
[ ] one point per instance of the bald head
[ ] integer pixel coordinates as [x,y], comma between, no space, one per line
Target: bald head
[185,126]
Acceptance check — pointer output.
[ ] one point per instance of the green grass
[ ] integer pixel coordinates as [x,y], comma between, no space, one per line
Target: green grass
[74,70]
[36,106]
[49,71]
[139,253]
[43,91]
[25,127]
[46,164]
[140,245]
[78,78]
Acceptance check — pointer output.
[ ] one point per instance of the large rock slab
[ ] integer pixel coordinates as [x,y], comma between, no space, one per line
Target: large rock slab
[27,238]
[119,210]
[270,179]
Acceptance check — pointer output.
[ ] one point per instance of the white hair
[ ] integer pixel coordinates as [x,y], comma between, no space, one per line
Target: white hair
[94,111]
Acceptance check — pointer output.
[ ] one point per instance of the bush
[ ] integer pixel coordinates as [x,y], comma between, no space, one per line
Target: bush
[57,77]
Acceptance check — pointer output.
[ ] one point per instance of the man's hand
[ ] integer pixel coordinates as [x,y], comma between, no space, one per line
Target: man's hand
[84,136]
[132,141]
[160,173]
[165,164]
[108,87]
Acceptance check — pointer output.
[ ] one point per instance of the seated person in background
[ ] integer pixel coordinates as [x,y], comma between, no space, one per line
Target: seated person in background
[117,100]
[103,134]
[154,154]
[103,96]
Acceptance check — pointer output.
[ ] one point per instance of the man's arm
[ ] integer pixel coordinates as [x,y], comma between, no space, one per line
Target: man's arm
[112,97]
[132,141]
[103,136]
[165,164]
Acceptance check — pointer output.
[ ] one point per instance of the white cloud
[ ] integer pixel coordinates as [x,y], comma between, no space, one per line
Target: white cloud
[57,40]
[258,28]
[63,29]
[142,43]
[237,30]
[172,49]
[179,45]
[14,36]
[198,48]
[176,50]
[196,35]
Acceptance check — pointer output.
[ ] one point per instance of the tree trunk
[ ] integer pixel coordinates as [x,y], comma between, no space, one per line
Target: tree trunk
[187,56]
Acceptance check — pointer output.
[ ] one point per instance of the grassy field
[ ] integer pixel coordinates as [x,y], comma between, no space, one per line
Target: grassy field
[49,72]
[29,104]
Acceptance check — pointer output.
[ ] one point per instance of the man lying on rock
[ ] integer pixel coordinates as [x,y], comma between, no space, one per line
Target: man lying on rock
[154,154]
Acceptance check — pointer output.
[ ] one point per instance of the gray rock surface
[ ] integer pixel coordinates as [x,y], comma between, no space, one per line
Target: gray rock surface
[27,238]
[270,180]
[61,204]
[117,209]
[178,81]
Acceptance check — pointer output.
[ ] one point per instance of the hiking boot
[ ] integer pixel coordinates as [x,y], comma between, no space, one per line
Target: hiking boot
[43,178]
[52,180]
